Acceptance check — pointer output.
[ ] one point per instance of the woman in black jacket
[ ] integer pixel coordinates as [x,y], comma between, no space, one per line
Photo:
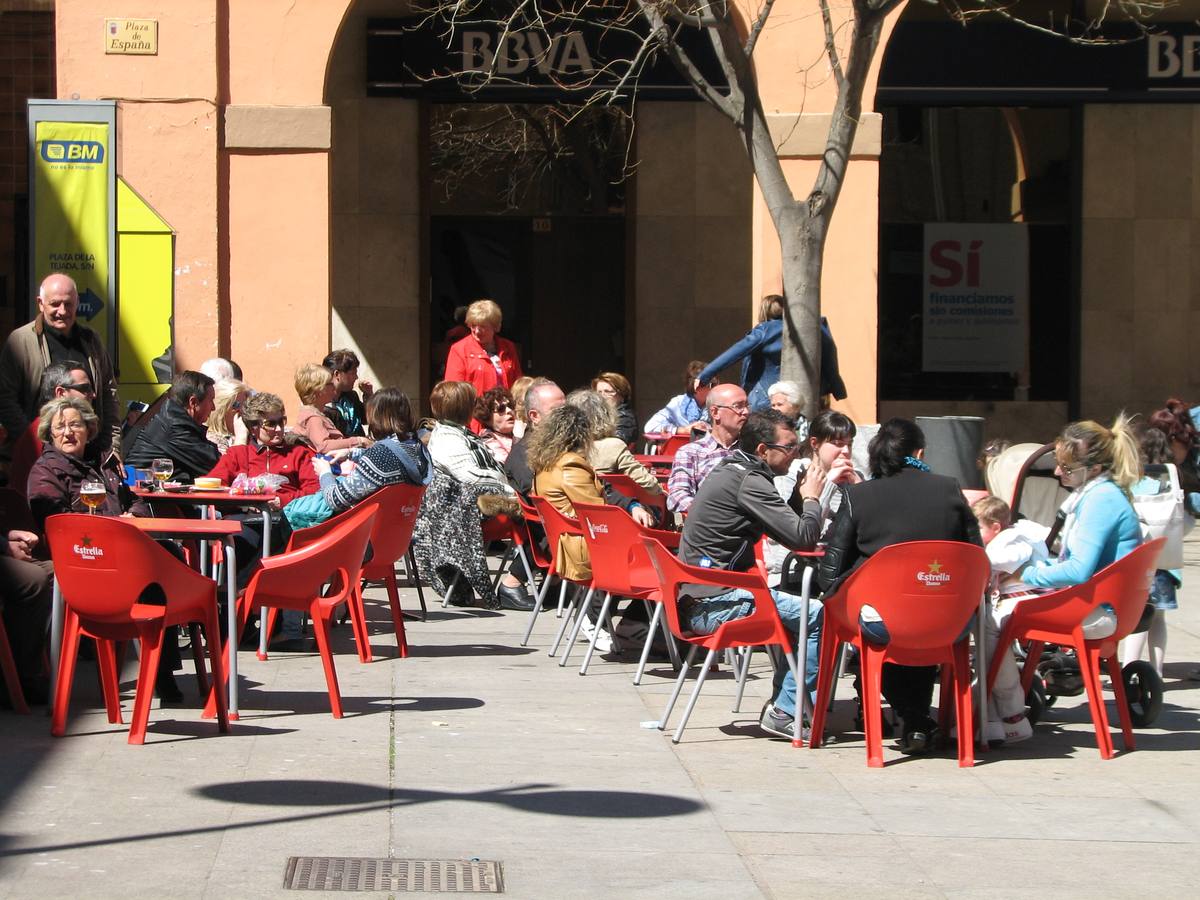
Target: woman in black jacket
[904,502]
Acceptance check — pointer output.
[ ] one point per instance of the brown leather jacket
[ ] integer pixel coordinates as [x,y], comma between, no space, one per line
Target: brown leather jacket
[569,481]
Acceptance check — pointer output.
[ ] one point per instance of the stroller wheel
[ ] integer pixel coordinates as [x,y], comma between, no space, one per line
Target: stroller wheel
[1036,701]
[1143,692]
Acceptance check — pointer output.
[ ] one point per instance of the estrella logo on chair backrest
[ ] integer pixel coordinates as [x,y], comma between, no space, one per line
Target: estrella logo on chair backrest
[85,152]
[934,576]
[85,551]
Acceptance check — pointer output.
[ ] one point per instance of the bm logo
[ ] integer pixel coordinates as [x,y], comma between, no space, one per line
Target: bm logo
[73,151]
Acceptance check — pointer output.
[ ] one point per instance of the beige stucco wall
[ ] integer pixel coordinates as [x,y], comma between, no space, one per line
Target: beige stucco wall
[1140,257]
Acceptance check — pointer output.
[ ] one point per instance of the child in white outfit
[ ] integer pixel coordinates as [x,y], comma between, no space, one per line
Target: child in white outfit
[1010,547]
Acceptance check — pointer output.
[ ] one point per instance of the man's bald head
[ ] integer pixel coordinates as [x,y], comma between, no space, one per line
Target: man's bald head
[58,302]
[542,398]
[727,409]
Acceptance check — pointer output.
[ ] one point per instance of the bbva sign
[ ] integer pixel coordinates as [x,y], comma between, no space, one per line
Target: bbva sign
[516,52]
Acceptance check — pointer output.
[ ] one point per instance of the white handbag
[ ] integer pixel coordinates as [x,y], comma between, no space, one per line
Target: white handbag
[1164,515]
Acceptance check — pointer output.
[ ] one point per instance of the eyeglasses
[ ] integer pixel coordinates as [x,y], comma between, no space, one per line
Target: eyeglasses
[1068,470]
[736,407]
[273,423]
[784,448]
[83,387]
[503,407]
[64,427]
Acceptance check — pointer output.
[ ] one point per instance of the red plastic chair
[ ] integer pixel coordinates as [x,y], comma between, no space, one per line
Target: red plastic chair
[557,527]
[621,568]
[762,628]
[297,579]
[391,539]
[630,488]
[926,593]
[669,446]
[1057,618]
[103,565]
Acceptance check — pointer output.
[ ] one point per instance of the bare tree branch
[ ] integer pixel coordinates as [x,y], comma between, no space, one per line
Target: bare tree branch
[830,47]
[760,23]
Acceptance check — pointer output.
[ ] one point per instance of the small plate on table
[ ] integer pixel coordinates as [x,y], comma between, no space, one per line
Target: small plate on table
[206,487]
[176,487]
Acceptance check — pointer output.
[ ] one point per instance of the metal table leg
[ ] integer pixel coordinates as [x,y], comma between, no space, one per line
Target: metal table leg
[981,668]
[231,615]
[263,637]
[56,636]
[804,702]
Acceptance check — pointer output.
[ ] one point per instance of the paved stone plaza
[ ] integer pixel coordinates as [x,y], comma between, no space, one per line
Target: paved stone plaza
[476,748]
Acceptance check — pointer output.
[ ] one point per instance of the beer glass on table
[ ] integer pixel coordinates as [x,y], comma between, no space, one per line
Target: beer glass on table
[161,469]
[92,493]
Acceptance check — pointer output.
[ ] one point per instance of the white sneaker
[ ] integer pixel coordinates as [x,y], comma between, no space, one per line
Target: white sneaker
[604,642]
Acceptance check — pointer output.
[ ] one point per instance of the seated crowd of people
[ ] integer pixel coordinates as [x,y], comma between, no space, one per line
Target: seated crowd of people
[750,475]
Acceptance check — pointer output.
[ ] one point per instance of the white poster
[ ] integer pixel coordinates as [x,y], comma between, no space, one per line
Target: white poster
[975,281]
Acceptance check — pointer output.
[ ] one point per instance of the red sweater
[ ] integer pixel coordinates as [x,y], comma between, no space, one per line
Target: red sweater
[294,462]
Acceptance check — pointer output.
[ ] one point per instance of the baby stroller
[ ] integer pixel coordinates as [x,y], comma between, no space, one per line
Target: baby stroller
[1023,476]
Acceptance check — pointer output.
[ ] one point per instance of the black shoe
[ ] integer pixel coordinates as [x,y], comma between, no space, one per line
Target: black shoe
[166,688]
[920,741]
[515,597]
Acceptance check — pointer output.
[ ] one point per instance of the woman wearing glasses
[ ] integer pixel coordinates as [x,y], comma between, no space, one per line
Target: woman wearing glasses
[66,425]
[270,450]
[495,413]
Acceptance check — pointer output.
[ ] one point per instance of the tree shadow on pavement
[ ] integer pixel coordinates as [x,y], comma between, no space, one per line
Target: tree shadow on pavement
[342,798]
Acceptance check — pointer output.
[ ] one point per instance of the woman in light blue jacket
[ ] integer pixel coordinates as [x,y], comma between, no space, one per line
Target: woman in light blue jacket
[1100,465]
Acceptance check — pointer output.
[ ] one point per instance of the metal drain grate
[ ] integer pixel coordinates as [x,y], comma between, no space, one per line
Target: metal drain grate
[354,873]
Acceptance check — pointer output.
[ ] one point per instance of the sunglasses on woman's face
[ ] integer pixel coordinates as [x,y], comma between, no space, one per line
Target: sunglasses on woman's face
[503,407]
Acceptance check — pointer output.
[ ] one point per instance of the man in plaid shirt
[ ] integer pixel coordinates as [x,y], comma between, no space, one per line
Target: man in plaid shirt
[727,410]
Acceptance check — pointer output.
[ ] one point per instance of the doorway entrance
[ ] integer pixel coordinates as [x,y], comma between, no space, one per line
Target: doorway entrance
[527,208]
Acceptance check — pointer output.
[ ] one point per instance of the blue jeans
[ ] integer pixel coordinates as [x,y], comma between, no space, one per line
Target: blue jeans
[706,615]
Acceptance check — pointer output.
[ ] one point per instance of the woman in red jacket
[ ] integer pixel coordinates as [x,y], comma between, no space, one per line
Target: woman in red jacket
[269,451]
[483,359]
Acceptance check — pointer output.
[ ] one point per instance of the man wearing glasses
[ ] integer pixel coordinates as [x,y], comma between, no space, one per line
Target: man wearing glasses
[68,378]
[735,507]
[55,336]
[727,410]
[179,431]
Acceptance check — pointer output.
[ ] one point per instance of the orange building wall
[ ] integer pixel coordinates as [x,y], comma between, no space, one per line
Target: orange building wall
[167,129]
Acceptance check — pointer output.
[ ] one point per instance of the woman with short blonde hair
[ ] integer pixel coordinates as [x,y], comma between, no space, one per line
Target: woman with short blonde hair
[314,386]
[483,359]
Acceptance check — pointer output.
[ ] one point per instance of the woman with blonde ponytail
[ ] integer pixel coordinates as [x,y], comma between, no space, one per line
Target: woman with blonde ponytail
[1099,466]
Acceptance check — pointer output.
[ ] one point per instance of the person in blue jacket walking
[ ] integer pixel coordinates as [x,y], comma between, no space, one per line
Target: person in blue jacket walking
[759,353]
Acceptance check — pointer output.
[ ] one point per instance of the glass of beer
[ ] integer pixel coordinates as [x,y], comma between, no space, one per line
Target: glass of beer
[161,469]
[92,494]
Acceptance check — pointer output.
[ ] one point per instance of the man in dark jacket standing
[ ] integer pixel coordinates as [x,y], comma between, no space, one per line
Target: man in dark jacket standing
[55,336]
[736,505]
[178,432]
